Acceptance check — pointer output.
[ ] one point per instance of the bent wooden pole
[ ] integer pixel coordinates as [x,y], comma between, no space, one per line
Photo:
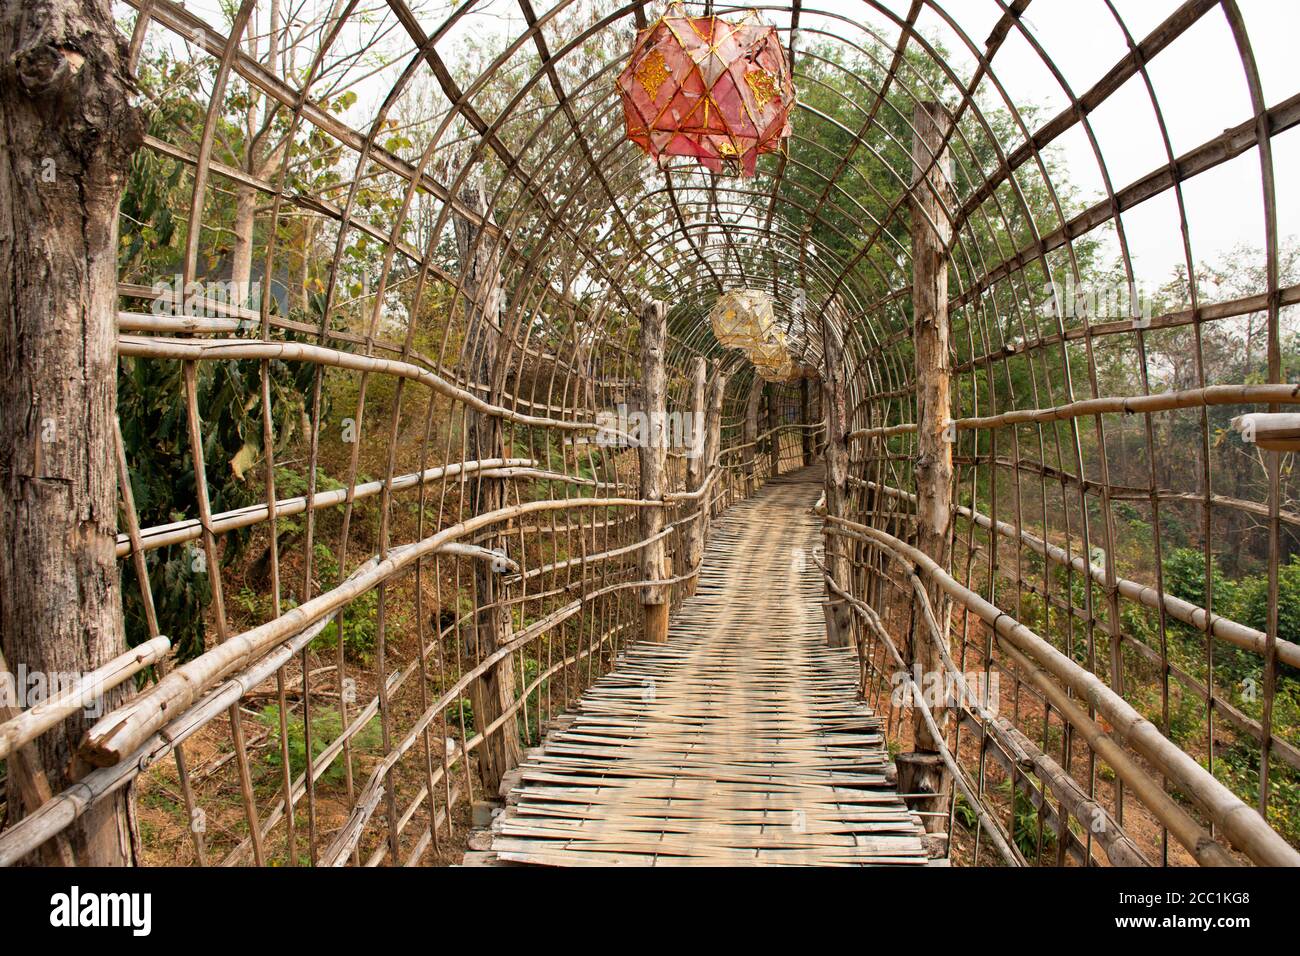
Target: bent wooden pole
[1238,823]
[653,453]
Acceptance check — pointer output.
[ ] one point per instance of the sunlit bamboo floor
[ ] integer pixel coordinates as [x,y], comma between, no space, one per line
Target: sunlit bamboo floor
[741,741]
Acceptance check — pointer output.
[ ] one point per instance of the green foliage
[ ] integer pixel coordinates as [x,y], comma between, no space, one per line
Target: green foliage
[359,621]
[151,407]
[1025,822]
[326,725]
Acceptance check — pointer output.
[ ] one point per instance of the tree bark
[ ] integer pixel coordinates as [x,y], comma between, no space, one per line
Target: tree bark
[773,436]
[494,692]
[749,434]
[805,418]
[241,266]
[68,132]
[653,453]
[931,233]
[839,619]
[697,471]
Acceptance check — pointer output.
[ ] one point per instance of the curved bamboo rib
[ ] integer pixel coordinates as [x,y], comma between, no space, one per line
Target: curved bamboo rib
[469,260]
[738,742]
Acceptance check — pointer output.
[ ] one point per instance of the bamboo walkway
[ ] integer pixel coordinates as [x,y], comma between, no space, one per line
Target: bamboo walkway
[741,741]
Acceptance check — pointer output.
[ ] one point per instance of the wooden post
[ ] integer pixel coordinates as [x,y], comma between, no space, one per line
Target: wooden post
[494,692]
[713,440]
[749,434]
[67,133]
[653,454]
[773,436]
[839,619]
[805,419]
[922,771]
[697,471]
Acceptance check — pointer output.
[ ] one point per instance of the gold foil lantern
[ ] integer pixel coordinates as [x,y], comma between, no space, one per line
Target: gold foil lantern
[772,359]
[743,319]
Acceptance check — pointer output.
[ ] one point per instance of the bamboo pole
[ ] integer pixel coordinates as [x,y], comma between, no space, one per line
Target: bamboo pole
[773,429]
[1118,405]
[1244,827]
[178,532]
[122,731]
[1223,628]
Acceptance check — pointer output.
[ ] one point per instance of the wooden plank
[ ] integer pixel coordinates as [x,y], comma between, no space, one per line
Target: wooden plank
[738,741]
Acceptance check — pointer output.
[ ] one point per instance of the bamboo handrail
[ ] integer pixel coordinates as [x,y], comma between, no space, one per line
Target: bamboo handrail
[1226,629]
[1240,823]
[1130,405]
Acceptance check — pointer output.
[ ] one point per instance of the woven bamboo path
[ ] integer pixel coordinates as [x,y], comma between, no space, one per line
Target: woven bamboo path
[741,741]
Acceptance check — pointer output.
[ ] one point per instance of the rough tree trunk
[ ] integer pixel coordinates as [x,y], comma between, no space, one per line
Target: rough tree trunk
[653,454]
[773,436]
[922,771]
[697,471]
[805,418]
[749,434]
[494,692]
[241,266]
[68,131]
[839,620]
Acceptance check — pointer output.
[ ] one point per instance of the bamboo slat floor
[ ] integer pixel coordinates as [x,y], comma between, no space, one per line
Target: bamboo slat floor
[740,741]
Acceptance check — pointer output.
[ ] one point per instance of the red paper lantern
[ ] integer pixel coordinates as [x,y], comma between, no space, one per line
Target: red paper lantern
[709,88]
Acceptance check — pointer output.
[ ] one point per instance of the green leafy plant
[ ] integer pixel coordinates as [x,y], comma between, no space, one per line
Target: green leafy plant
[326,725]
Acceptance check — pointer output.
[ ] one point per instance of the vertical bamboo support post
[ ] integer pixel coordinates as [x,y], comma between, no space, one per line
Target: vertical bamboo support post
[923,771]
[494,692]
[839,621]
[713,439]
[653,455]
[773,436]
[749,435]
[805,419]
[697,470]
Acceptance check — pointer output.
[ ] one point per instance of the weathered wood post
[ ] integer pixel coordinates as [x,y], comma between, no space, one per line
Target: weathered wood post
[773,436]
[805,419]
[653,454]
[67,133]
[839,621]
[697,471]
[494,692]
[749,434]
[713,439]
[922,771]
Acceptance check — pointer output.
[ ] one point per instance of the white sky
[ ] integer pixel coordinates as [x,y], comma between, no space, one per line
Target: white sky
[1198,80]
